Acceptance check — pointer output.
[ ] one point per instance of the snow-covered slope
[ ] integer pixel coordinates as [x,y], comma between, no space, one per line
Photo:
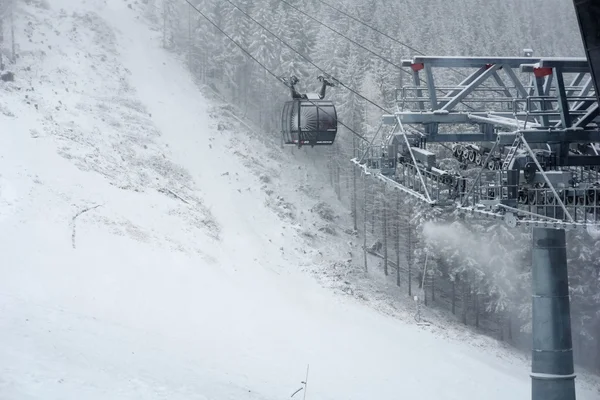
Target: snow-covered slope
[150,249]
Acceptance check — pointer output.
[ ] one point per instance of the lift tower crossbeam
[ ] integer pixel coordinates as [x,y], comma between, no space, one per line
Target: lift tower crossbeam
[548,178]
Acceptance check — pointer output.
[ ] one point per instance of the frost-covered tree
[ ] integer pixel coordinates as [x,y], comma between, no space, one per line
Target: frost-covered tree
[7,32]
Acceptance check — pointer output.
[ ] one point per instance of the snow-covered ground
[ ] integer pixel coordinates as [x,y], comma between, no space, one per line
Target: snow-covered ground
[155,247]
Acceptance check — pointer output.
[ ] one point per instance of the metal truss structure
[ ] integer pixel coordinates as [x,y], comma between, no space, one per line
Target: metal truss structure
[524,134]
[515,139]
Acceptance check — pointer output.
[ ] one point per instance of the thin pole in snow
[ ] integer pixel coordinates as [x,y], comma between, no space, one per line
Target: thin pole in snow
[424,272]
[306,381]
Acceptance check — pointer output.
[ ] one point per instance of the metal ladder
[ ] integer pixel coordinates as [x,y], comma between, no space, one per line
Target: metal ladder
[511,153]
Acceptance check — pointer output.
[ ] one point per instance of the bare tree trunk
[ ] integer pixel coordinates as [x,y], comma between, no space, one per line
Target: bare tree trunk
[476,304]
[165,24]
[464,301]
[347,176]
[205,66]
[247,72]
[189,44]
[2,8]
[338,188]
[424,281]
[454,296]
[354,206]
[12,31]
[331,174]
[373,209]
[263,89]
[384,230]
[365,221]
[433,287]
[1,35]
[409,256]
[397,239]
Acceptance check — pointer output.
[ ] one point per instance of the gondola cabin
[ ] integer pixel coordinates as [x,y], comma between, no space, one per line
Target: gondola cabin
[309,122]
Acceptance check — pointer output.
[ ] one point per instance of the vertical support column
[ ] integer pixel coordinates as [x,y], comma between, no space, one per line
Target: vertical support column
[506,92]
[512,183]
[417,81]
[540,88]
[548,84]
[565,116]
[563,104]
[552,369]
[431,87]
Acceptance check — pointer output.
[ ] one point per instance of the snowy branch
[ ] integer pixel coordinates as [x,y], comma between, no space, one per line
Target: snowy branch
[75,222]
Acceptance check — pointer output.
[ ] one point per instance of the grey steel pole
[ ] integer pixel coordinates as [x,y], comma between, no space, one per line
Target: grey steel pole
[552,369]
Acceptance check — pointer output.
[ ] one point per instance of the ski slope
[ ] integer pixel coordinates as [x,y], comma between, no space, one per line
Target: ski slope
[150,248]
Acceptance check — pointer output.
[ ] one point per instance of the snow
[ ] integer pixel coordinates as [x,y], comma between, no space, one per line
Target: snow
[143,256]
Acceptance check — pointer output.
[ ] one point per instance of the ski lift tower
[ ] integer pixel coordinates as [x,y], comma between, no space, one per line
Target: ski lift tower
[525,133]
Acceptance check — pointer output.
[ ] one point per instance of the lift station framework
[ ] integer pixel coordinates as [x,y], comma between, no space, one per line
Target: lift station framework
[513,139]
[525,140]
